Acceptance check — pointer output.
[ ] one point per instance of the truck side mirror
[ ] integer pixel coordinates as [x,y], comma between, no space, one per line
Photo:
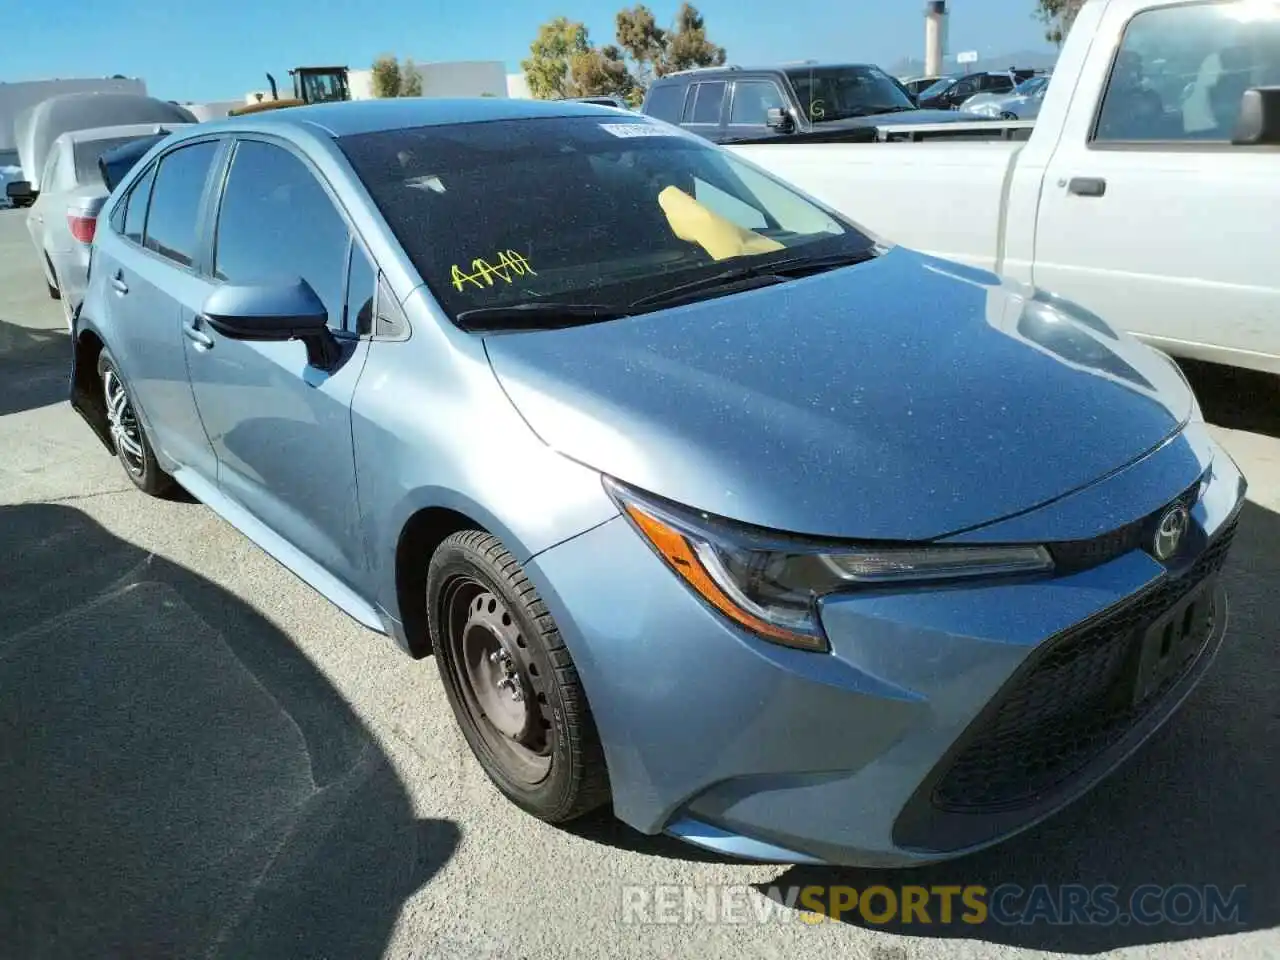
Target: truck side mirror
[1259,120]
[778,119]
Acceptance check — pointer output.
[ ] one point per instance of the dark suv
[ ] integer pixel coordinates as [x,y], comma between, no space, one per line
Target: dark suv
[816,101]
[949,92]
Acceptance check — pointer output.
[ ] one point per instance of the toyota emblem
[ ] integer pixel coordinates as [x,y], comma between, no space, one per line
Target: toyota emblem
[1172,528]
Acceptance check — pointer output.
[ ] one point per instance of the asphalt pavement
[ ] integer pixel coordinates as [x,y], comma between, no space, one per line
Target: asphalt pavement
[199,756]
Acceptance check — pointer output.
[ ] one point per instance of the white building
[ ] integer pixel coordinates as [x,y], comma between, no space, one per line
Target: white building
[17,97]
[518,87]
[459,78]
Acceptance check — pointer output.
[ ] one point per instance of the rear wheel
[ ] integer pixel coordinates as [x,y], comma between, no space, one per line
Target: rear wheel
[129,437]
[511,682]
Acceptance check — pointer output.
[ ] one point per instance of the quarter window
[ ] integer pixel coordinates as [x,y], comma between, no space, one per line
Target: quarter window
[135,218]
[277,224]
[708,98]
[362,285]
[1181,72]
[173,219]
[752,101]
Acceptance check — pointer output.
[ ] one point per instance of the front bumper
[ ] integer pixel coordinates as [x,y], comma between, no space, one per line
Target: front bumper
[869,755]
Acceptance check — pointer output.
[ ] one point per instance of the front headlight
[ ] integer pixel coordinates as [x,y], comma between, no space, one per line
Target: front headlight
[770,584]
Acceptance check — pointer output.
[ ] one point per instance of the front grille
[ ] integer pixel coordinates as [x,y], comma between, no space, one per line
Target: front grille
[1070,556]
[1072,701]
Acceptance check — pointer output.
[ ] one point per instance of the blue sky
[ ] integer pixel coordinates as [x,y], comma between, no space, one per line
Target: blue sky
[219,49]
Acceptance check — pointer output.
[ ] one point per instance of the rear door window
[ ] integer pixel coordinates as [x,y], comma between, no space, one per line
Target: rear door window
[277,223]
[708,100]
[173,220]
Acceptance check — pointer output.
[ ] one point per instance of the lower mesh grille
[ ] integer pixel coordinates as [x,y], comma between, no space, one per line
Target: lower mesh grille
[1075,699]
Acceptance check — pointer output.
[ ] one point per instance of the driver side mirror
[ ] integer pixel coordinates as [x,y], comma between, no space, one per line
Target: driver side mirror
[778,119]
[275,313]
[1259,120]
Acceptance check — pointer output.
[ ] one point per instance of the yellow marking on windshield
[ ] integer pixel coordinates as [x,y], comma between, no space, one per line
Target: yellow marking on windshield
[721,238]
[509,266]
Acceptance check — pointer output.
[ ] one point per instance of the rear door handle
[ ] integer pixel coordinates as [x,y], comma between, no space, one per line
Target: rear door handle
[197,336]
[1087,186]
[118,284]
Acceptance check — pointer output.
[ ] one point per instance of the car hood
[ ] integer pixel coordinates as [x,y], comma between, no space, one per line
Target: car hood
[904,399]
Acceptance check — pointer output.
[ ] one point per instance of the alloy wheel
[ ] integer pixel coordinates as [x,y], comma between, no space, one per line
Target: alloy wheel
[126,432]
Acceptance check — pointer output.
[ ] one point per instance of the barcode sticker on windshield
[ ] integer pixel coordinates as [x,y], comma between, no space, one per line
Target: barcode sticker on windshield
[638,130]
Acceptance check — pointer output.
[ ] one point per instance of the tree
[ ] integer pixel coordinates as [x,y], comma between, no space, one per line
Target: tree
[548,67]
[410,79]
[386,76]
[565,63]
[657,51]
[600,72]
[1057,16]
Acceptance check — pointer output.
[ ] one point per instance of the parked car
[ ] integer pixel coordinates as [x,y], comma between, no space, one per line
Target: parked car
[64,214]
[1120,179]
[1022,104]
[9,170]
[950,92]
[917,85]
[800,102]
[38,127]
[659,413]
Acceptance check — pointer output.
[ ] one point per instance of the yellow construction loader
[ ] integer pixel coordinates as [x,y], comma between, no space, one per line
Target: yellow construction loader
[310,85]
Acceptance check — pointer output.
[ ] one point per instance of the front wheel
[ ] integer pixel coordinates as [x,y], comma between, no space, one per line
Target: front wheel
[511,682]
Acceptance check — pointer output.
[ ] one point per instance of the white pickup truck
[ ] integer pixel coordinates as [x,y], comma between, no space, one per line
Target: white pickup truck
[1148,189]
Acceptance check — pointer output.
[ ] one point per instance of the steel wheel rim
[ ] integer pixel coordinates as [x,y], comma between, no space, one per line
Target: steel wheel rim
[501,688]
[126,432]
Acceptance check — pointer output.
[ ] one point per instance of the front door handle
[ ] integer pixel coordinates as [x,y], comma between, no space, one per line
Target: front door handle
[197,336]
[1087,186]
[118,284]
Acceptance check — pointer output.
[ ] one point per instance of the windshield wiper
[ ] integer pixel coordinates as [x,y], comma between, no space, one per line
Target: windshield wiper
[537,315]
[770,272]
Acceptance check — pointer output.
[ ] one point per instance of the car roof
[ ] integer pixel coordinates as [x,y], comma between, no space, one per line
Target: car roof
[773,68]
[371,116]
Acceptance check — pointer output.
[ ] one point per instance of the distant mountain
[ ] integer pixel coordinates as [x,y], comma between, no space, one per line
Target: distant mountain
[1023,59]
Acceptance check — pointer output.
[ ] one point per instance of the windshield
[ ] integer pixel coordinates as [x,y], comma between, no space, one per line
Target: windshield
[579,210]
[1027,87]
[839,93]
[87,153]
[936,88]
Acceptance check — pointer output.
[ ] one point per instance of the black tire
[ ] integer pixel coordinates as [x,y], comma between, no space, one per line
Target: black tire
[487,621]
[139,464]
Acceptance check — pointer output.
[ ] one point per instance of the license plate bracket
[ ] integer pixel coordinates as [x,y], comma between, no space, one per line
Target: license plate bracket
[1167,646]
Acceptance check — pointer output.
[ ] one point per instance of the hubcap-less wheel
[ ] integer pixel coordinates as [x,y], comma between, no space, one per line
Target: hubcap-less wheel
[500,683]
[123,423]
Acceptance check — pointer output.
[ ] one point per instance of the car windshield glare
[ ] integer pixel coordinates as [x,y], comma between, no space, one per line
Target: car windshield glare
[598,210]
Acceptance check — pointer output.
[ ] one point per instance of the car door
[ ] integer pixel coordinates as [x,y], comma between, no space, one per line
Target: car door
[704,109]
[150,258]
[1148,213]
[960,92]
[750,103]
[281,429]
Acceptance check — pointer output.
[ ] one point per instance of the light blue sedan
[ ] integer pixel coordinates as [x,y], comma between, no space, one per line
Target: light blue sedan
[784,541]
[1022,104]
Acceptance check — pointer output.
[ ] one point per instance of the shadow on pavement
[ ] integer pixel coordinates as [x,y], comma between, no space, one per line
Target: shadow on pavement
[1234,398]
[1197,805]
[34,367]
[177,778]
